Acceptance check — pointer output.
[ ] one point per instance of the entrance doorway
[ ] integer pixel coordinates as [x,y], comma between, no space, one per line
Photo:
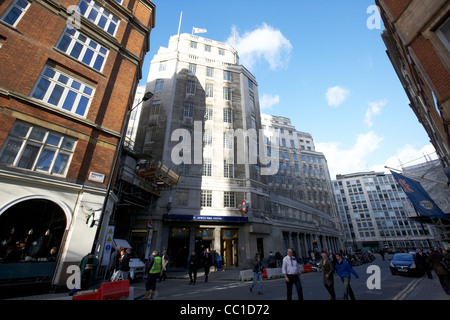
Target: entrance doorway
[178,247]
[229,247]
[230,253]
[31,232]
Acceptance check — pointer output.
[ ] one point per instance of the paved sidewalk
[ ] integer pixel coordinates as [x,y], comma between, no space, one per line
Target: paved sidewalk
[419,289]
[138,288]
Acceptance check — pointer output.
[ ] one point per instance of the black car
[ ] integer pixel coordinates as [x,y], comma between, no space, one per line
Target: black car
[404,263]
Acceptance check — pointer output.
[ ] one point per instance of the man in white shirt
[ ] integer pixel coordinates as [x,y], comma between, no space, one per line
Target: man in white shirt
[291,274]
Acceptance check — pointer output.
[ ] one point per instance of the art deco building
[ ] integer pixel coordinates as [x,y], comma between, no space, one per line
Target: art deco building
[69,70]
[204,121]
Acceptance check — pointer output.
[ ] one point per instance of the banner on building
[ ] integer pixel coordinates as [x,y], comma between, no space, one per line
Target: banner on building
[421,201]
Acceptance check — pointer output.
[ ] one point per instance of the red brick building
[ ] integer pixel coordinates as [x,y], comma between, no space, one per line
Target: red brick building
[417,38]
[69,70]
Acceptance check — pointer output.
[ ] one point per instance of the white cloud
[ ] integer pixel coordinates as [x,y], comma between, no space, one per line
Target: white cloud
[263,43]
[343,161]
[373,110]
[406,156]
[267,101]
[336,96]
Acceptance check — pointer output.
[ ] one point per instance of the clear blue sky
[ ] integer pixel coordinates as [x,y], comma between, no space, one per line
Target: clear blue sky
[298,51]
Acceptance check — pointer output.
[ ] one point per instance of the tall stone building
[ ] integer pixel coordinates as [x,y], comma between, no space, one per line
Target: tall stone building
[69,72]
[204,121]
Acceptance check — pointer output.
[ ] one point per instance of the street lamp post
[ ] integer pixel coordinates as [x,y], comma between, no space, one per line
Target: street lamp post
[91,258]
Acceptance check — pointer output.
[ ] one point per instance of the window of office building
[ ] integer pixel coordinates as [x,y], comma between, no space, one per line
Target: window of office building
[190,87]
[207,167]
[206,198]
[228,169]
[229,200]
[227,115]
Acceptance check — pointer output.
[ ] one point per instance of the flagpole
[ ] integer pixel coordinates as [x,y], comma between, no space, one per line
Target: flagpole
[412,174]
[423,228]
[179,24]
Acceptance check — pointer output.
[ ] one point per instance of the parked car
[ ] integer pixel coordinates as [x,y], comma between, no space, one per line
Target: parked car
[137,267]
[404,263]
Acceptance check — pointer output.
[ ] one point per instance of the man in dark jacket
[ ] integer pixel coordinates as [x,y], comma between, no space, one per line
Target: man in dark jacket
[434,258]
[114,261]
[193,262]
[421,259]
[207,263]
[327,267]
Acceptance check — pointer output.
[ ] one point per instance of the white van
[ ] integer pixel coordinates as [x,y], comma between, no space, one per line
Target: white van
[137,267]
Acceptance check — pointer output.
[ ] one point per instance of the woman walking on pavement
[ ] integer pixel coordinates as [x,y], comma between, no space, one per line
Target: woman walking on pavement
[344,270]
[257,274]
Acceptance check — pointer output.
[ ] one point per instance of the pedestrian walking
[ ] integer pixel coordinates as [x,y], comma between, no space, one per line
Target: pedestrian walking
[206,263]
[292,275]
[345,271]
[272,260]
[193,263]
[257,274]
[154,271]
[279,259]
[124,263]
[435,258]
[88,266]
[421,260]
[328,269]
[165,264]
[381,252]
[114,262]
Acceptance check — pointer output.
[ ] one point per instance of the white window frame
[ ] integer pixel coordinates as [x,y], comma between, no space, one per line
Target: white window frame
[101,12]
[227,115]
[190,87]
[207,167]
[188,110]
[209,90]
[192,69]
[229,199]
[65,146]
[226,75]
[209,113]
[228,169]
[441,35]
[206,198]
[209,72]
[15,5]
[228,140]
[227,93]
[159,85]
[87,45]
[207,138]
[55,80]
